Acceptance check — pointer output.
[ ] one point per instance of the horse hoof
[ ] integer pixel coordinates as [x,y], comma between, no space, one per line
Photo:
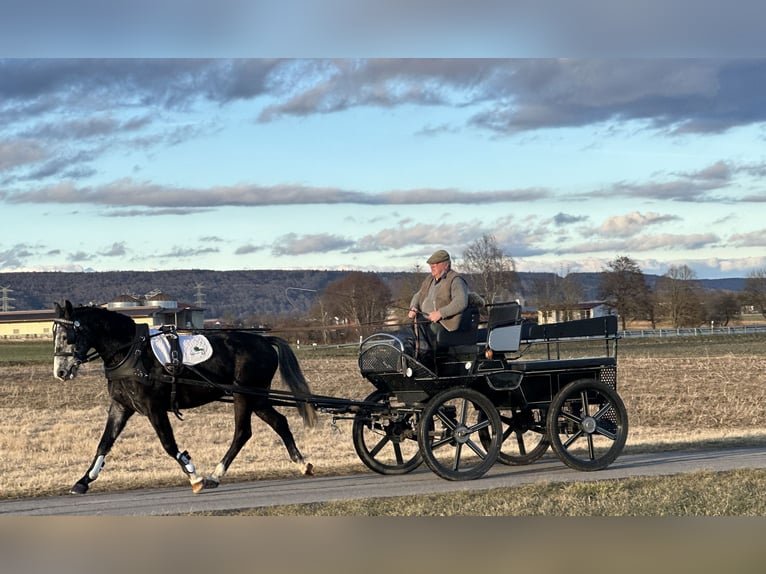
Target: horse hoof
[210,483]
[309,470]
[198,487]
[79,488]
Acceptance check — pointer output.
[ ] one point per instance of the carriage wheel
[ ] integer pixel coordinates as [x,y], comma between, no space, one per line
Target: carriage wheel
[449,434]
[587,425]
[524,439]
[386,442]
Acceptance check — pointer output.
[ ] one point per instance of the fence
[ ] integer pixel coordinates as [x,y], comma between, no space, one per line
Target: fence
[694,331]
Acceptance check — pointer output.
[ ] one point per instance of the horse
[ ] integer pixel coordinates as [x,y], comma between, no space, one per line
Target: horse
[241,369]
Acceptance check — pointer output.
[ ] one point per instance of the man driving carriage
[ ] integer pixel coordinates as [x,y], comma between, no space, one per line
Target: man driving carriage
[440,301]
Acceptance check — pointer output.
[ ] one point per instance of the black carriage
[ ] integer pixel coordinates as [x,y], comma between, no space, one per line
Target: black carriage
[500,390]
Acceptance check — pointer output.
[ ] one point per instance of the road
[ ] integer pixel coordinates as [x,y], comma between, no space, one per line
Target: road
[180,500]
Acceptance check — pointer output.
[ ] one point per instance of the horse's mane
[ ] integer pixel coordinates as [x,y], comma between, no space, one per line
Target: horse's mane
[103,316]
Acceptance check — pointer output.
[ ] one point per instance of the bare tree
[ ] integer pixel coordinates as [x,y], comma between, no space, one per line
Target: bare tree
[679,297]
[360,299]
[722,307]
[755,290]
[623,284]
[494,271]
[558,292]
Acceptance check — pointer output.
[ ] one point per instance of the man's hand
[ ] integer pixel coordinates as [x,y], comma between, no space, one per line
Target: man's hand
[435,316]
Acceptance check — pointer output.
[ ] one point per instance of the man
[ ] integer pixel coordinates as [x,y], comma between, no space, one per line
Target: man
[442,297]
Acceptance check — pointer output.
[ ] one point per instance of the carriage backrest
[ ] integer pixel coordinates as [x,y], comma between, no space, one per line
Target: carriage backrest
[583,328]
[501,314]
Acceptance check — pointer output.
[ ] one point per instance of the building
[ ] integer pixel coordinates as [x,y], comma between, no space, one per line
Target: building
[584,310]
[153,309]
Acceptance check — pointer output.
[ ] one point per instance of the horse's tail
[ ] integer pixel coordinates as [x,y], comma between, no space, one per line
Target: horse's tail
[293,376]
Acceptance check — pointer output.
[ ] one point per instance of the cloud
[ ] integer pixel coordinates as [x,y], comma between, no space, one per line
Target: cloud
[18,152]
[247,249]
[186,252]
[752,239]
[128,192]
[562,219]
[631,223]
[638,244]
[117,249]
[294,244]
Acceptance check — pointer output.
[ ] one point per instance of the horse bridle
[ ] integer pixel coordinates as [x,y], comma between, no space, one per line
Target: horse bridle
[74,337]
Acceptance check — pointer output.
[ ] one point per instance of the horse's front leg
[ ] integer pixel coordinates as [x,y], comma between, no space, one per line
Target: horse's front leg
[115,422]
[161,424]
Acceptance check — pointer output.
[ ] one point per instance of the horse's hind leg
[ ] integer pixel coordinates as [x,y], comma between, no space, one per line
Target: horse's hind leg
[278,422]
[115,422]
[243,409]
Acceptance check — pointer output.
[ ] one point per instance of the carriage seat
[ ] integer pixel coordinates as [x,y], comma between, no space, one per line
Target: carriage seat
[466,335]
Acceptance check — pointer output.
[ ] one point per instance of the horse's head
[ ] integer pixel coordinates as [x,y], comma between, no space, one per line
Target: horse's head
[70,343]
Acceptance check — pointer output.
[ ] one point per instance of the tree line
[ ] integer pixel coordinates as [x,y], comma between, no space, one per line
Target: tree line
[359,303]
[340,306]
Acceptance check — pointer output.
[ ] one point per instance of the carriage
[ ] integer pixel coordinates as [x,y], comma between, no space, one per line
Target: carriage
[495,390]
[503,390]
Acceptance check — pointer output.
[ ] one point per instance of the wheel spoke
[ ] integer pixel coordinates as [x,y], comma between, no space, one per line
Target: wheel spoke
[398,453]
[482,454]
[573,438]
[456,460]
[591,451]
[520,443]
[378,447]
[447,420]
[478,426]
[464,412]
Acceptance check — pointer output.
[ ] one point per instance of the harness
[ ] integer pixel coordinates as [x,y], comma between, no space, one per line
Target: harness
[130,366]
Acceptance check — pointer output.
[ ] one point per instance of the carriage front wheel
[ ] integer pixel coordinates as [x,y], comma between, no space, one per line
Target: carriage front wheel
[386,442]
[587,425]
[450,434]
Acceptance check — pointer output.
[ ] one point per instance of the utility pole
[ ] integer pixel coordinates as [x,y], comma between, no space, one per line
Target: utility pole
[199,296]
[5,300]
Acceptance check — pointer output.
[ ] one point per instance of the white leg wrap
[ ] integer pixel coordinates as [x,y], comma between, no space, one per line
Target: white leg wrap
[218,472]
[96,468]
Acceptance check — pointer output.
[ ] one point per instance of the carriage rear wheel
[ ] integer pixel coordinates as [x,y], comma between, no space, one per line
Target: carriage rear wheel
[524,439]
[449,434]
[386,442]
[587,425]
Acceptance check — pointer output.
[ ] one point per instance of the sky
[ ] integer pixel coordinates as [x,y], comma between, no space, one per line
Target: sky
[155,156]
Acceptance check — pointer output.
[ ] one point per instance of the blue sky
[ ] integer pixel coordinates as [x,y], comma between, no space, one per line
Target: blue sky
[147,161]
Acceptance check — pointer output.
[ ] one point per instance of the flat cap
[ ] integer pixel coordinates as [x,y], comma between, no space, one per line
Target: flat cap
[438,257]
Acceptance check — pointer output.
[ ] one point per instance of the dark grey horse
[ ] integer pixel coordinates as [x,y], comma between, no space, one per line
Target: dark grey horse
[242,367]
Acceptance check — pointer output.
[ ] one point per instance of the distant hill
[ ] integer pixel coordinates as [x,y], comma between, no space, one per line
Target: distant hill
[235,293]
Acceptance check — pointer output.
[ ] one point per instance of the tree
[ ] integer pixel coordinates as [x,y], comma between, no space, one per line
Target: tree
[755,290]
[679,297]
[722,307]
[494,271]
[558,292]
[624,286]
[360,299]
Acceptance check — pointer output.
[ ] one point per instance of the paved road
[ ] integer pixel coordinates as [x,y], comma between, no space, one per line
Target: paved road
[180,500]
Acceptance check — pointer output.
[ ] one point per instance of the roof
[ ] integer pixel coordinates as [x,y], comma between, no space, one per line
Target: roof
[27,316]
[50,314]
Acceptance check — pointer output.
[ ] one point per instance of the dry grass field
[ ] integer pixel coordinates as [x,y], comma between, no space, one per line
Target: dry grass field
[678,394]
